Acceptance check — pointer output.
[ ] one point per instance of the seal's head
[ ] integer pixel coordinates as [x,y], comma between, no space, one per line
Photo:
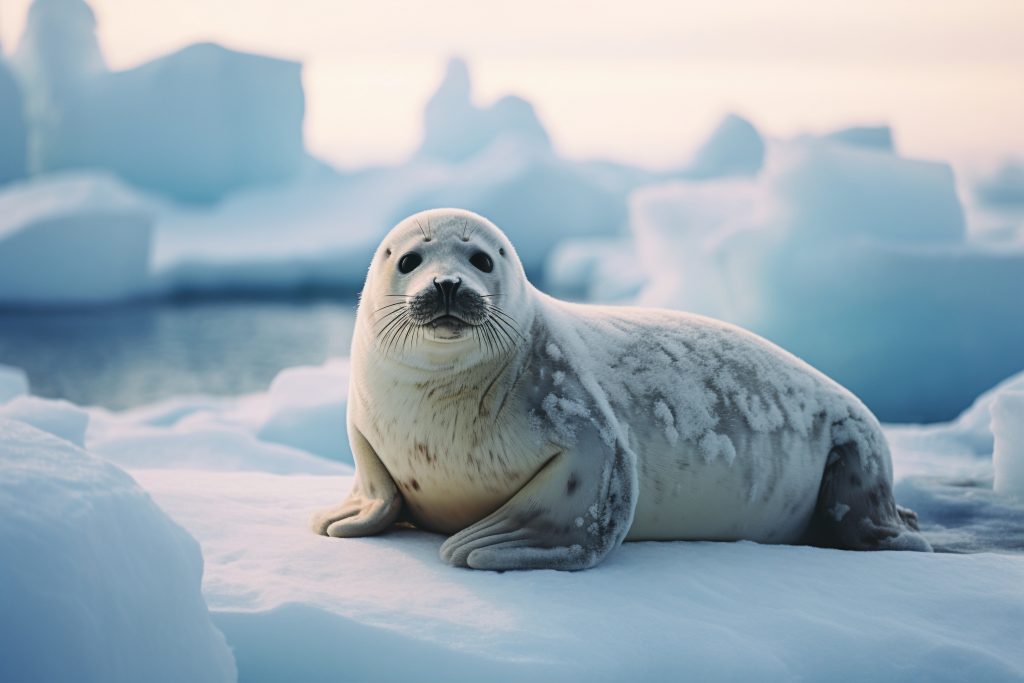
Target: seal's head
[445,288]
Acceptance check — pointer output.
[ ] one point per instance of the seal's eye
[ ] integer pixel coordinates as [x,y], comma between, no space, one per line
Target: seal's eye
[408,263]
[482,261]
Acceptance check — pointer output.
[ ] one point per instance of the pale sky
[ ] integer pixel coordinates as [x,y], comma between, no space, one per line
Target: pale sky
[639,81]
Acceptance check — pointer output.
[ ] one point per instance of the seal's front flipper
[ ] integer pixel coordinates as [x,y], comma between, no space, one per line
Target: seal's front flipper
[574,511]
[374,502]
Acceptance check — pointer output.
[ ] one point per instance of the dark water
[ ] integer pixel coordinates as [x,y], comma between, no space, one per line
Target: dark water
[124,356]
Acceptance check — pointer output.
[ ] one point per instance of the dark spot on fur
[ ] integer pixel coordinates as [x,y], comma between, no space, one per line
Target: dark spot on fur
[874,498]
[571,485]
[855,480]
[501,250]
[415,484]
[387,252]
[424,452]
[372,490]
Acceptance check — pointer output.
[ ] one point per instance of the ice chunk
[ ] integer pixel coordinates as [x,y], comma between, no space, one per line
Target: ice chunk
[98,584]
[1008,432]
[78,238]
[13,133]
[735,148]
[455,129]
[60,418]
[307,410]
[13,383]
[194,125]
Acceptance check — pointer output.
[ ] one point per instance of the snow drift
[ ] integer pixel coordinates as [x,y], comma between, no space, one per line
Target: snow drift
[98,584]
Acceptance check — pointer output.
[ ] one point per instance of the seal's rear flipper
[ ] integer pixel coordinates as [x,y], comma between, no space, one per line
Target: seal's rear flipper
[856,509]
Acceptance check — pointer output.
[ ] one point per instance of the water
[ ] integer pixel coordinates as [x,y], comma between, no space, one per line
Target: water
[125,356]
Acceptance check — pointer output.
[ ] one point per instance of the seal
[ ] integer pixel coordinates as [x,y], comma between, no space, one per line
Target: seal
[541,434]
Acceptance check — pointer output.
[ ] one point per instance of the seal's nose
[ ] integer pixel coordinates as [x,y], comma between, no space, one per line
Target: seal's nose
[447,288]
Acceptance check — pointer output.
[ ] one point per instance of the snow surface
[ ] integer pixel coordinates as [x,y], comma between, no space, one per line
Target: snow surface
[60,418]
[294,605]
[193,125]
[73,239]
[98,583]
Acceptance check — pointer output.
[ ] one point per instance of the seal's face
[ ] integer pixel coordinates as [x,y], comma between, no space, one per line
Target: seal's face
[445,285]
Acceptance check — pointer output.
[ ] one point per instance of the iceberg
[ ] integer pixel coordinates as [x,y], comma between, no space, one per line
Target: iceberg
[13,133]
[454,129]
[854,259]
[194,125]
[73,239]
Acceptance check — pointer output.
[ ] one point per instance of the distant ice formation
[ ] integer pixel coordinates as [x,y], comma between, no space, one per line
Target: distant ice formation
[73,239]
[455,129]
[13,133]
[734,148]
[1005,187]
[193,125]
[872,137]
[853,258]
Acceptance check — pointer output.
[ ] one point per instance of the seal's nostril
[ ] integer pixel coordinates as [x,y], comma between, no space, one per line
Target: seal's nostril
[447,288]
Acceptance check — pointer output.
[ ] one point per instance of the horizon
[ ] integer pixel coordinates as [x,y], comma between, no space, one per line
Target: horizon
[949,87]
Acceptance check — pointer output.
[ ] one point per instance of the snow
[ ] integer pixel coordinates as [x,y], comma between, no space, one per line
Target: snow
[1008,432]
[13,383]
[193,125]
[98,583]
[296,605]
[73,239]
[60,418]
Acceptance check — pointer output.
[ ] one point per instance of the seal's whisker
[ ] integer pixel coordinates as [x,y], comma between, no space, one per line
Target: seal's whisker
[507,322]
[385,324]
[507,338]
[387,337]
[398,303]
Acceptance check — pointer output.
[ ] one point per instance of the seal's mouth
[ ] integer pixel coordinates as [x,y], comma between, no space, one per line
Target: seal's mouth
[448,320]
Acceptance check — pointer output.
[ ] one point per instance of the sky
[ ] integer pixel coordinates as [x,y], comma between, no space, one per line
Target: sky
[640,81]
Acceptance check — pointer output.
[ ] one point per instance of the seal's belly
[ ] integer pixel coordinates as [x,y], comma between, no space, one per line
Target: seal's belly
[766,492]
[457,471]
